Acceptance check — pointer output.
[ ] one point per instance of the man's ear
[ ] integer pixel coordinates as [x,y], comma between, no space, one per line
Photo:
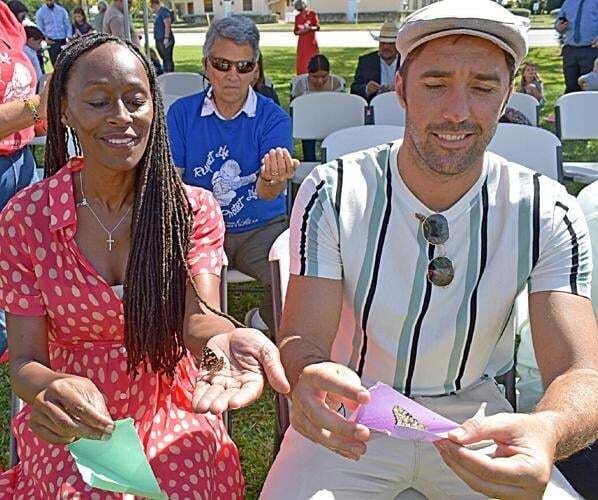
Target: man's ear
[400,90]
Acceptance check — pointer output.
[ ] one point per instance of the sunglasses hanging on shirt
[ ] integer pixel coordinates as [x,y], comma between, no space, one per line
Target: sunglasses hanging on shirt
[436,232]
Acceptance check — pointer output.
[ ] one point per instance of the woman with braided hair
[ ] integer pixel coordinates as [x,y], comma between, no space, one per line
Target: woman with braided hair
[109,274]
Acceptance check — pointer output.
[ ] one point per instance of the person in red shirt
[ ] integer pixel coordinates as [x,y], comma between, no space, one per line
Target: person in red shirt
[109,276]
[20,109]
[306,25]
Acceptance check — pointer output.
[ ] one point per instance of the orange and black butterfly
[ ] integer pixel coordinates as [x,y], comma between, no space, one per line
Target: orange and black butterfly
[210,362]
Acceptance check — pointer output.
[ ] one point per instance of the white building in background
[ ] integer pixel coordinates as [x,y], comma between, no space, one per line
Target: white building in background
[220,8]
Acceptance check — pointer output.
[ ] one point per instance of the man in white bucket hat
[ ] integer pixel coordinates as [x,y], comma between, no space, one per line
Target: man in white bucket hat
[375,72]
[406,260]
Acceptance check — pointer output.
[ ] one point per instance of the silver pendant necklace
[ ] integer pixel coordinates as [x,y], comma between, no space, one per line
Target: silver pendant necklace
[84,203]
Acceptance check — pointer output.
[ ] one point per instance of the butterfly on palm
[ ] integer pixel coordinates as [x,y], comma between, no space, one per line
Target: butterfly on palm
[210,362]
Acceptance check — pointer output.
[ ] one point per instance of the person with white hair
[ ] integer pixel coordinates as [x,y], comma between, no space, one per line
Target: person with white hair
[221,139]
[405,262]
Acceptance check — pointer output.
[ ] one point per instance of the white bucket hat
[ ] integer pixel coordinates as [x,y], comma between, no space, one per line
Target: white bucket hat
[481,18]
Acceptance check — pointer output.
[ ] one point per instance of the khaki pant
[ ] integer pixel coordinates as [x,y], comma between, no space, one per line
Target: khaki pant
[305,470]
[248,253]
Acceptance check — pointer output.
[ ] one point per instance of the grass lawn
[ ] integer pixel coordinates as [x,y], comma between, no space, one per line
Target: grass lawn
[253,428]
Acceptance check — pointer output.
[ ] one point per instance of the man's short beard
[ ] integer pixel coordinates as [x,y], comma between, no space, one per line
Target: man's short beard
[449,163]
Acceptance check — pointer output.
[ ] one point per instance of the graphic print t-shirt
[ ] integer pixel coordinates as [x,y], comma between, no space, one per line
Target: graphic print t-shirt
[225,156]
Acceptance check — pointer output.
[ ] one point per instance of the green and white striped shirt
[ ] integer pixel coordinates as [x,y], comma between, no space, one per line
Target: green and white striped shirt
[354,220]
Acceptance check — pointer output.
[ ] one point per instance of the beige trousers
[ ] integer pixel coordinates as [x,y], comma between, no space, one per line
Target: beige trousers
[391,468]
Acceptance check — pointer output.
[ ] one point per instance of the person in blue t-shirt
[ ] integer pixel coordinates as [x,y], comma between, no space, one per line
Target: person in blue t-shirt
[236,143]
[163,34]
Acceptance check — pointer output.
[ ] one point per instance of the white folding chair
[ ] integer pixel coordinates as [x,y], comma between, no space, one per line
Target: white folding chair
[353,139]
[526,104]
[533,147]
[168,100]
[182,83]
[387,110]
[319,114]
[576,119]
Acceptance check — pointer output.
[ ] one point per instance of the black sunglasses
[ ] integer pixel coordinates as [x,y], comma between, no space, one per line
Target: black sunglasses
[436,232]
[224,65]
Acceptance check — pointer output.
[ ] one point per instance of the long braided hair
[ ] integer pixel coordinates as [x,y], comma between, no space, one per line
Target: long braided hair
[156,272]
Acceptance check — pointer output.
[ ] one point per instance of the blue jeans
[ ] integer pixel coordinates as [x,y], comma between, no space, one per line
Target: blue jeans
[17,171]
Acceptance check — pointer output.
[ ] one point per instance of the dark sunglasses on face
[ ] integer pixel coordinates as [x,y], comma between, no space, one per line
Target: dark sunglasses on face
[436,232]
[224,65]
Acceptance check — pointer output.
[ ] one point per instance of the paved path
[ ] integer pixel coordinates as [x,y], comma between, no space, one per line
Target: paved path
[538,38]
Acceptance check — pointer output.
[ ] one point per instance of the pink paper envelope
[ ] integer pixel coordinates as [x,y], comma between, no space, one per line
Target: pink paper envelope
[378,415]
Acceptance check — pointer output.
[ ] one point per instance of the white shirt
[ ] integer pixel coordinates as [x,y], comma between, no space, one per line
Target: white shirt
[388,72]
[354,220]
[209,106]
[588,201]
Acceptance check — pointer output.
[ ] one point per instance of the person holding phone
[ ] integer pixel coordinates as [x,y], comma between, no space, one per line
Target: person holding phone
[163,34]
[578,24]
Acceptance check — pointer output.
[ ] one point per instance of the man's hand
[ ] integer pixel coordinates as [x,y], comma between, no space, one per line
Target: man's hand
[249,357]
[595,43]
[521,466]
[562,25]
[69,408]
[319,389]
[372,87]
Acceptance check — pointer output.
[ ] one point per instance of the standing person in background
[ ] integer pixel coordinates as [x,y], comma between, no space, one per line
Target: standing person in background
[55,24]
[375,73]
[306,25]
[80,25]
[20,110]
[32,48]
[98,21]
[114,22]
[163,34]
[578,24]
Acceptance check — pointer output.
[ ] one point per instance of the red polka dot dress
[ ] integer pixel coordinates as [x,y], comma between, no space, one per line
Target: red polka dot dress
[44,273]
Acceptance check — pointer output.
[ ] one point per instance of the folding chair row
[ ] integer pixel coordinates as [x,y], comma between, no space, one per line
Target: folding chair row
[533,147]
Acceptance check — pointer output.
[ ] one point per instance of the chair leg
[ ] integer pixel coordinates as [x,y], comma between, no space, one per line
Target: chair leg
[16,405]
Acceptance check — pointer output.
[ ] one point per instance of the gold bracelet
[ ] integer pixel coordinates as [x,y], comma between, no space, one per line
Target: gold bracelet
[32,109]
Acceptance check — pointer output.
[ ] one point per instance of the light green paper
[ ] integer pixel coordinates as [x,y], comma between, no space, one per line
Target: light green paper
[117,465]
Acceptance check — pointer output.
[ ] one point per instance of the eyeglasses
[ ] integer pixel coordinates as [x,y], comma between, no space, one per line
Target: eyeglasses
[436,232]
[224,65]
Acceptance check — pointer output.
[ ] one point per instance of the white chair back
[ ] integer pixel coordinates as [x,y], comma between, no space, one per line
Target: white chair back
[387,110]
[354,139]
[182,83]
[526,104]
[167,100]
[532,147]
[319,114]
[576,116]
